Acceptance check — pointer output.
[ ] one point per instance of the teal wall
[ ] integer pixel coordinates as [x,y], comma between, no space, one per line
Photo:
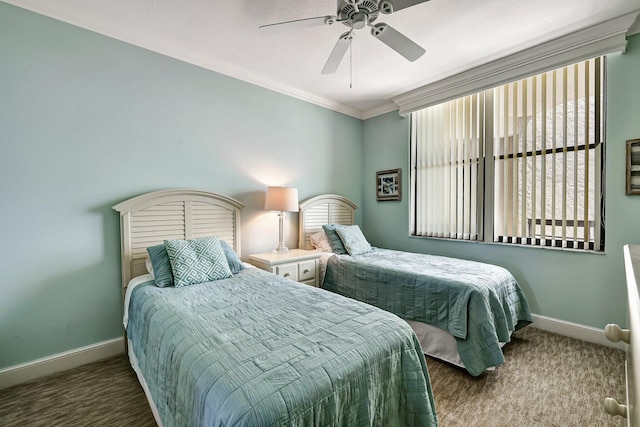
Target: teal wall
[583,288]
[86,122]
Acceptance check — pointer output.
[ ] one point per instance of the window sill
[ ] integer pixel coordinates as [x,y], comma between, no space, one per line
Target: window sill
[481,242]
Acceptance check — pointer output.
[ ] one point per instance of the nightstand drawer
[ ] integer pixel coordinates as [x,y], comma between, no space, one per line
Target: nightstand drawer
[299,265]
[290,271]
[306,270]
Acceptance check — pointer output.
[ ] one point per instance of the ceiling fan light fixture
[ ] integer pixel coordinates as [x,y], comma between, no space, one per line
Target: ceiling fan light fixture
[359,20]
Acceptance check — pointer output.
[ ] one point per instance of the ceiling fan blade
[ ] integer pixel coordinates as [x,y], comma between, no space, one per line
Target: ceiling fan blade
[397,41]
[335,58]
[298,23]
[390,6]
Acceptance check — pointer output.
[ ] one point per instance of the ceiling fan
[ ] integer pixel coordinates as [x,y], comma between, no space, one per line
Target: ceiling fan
[357,14]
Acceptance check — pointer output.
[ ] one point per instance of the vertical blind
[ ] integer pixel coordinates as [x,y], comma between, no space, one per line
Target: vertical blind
[539,139]
[446,156]
[548,158]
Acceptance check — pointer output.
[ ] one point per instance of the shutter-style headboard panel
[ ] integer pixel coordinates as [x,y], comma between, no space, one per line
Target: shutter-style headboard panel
[323,209]
[151,218]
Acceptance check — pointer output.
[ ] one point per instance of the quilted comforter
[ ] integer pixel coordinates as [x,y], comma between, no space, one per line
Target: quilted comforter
[261,350]
[479,304]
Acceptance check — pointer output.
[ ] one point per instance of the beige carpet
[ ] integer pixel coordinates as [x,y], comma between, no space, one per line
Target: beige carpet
[104,393]
[547,380]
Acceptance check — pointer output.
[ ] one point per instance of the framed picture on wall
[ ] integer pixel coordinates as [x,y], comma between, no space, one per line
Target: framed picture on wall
[389,185]
[633,166]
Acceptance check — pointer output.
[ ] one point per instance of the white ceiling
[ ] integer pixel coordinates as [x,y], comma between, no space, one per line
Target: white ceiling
[223,36]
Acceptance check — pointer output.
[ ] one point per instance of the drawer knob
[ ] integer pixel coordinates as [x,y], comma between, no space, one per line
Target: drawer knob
[306,270]
[613,408]
[615,333]
[287,274]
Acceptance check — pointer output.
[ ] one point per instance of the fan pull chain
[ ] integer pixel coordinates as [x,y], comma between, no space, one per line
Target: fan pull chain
[351,60]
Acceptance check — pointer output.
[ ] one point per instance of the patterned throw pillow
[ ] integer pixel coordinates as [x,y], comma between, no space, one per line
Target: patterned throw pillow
[162,273]
[334,239]
[354,241]
[197,261]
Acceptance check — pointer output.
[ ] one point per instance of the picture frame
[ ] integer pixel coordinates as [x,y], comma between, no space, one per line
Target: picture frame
[633,167]
[389,185]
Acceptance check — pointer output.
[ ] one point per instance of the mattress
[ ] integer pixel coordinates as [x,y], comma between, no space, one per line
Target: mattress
[477,303]
[261,350]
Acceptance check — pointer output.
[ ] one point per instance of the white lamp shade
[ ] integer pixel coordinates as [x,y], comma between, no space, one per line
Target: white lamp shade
[281,199]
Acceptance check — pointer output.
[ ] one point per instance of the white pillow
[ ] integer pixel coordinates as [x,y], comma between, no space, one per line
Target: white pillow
[149,265]
[319,241]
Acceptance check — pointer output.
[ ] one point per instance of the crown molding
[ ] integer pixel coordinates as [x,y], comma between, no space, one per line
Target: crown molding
[635,27]
[134,38]
[597,40]
[256,80]
[600,39]
[387,107]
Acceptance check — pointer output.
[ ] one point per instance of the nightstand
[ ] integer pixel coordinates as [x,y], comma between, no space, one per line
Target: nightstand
[298,265]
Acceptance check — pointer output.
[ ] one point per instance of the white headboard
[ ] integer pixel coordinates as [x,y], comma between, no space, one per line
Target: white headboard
[323,209]
[149,219]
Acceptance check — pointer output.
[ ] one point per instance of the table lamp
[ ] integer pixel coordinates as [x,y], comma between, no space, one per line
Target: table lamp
[283,199]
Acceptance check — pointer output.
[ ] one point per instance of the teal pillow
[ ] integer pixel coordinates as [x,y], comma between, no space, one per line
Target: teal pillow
[197,261]
[235,264]
[334,239]
[354,241]
[163,275]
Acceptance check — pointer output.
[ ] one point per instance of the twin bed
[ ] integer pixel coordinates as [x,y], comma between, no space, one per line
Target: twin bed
[462,311]
[255,349]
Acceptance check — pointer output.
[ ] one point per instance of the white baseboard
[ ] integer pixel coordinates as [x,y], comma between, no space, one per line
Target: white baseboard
[574,330]
[60,362]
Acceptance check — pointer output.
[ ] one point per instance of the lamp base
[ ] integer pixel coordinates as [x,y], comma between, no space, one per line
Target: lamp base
[281,250]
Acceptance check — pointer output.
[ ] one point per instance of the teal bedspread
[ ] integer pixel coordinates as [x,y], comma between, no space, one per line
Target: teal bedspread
[479,304]
[260,350]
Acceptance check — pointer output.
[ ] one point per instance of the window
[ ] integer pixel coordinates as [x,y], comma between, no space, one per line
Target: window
[521,163]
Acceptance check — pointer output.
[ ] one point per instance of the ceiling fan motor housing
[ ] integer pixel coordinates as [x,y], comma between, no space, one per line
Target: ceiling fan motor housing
[357,13]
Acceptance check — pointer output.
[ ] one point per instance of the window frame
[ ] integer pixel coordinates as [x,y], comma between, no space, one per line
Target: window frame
[486,191]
